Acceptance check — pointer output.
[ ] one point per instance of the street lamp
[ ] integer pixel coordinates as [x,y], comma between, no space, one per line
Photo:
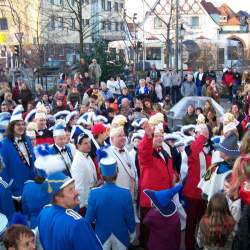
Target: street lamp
[19,38]
[182,34]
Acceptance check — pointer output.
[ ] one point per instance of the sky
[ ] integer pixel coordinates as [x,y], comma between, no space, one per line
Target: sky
[133,6]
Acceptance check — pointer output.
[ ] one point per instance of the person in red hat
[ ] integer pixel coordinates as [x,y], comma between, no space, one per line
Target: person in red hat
[100,134]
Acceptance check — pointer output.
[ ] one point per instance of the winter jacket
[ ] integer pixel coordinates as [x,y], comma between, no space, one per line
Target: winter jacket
[156,173]
[194,168]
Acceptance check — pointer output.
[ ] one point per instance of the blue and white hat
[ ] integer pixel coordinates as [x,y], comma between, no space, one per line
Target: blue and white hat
[162,200]
[3,223]
[86,119]
[30,116]
[100,119]
[4,121]
[61,114]
[108,166]
[57,182]
[59,130]
[70,116]
[172,136]
[185,128]
[17,114]
[137,123]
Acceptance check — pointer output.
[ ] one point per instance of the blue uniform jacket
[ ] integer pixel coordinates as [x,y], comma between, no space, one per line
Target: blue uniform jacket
[14,167]
[64,229]
[111,208]
[35,197]
[6,202]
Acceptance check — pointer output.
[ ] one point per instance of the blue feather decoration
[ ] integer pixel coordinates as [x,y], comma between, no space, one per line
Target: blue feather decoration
[101,154]
[43,150]
[19,218]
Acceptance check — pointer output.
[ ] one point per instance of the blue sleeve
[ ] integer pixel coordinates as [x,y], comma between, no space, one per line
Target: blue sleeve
[84,237]
[130,216]
[91,209]
[4,154]
[6,202]
[24,203]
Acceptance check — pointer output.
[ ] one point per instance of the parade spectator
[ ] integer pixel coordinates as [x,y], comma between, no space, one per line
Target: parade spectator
[245,123]
[148,107]
[112,86]
[25,95]
[190,117]
[154,73]
[125,108]
[120,84]
[83,66]
[210,74]
[74,98]
[95,71]
[142,90]
[105,92]
[167,104]
[188,87]
[158,91]
[16,92]
[176,82]
[167,81]
[9,102]
[199,79]
[237,81]
[227,81]
[19,237]
[213,91]
[125,94]
[4,88]
[208,106]
[238,115]
[217,225]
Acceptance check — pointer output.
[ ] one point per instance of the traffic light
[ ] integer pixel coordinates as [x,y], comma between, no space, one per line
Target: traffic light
[16,50]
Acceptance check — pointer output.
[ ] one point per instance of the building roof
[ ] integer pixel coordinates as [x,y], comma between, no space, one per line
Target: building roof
[232,18]
[209,7]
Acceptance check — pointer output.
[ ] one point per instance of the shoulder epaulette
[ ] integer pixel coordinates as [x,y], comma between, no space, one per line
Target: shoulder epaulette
[73,214]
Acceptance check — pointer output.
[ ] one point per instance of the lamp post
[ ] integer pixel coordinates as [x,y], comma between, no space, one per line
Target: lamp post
[19,37]
[182,34]
[176,34]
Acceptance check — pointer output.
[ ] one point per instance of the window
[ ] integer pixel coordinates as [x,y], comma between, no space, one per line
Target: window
[109,26]
[116,7]
[103,5]
[121,6]
[87,22]
[3,24]
[72,3]
[122,26]
[56,2]
[103,25]
[87,2]
[60,22]
[153,53]
[109,6]
[116,26]
[73,23]
[157,23]
[195,21]
[52,23]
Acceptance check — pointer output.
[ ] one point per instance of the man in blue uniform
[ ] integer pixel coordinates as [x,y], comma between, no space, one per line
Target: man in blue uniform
[60,227]
[17,154]
[111,208]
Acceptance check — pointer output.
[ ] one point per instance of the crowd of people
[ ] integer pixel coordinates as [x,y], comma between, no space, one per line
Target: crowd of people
[95,165]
